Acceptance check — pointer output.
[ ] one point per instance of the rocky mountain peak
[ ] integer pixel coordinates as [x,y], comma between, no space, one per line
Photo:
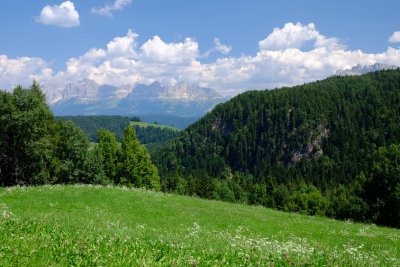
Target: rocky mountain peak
[364,69]
[86,95]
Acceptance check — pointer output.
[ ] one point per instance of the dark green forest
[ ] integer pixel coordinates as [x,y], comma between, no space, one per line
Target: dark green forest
[329,148]
[91,124]
[37,149]
[153,136]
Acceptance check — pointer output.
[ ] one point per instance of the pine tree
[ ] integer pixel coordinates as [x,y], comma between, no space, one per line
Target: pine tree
[135,167]
[108,146]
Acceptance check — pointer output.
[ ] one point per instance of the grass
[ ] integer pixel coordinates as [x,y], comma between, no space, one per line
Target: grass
[110,226]
[145,125]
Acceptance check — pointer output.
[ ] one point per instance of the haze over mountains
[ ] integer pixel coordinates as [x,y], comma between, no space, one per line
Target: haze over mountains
[363,69]
[87,97]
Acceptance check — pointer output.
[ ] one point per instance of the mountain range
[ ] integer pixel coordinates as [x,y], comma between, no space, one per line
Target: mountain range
[86,97]
[364,69]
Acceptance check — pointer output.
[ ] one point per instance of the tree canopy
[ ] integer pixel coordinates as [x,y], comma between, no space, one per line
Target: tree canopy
[36,149]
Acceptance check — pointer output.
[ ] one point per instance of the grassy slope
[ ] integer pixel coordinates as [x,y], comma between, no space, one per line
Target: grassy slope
[86,225]
[145,125]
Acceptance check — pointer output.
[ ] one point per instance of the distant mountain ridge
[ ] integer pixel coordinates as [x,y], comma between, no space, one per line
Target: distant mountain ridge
[86,97]
[364,69]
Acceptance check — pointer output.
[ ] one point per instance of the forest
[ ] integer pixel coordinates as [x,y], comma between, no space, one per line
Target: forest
[91,124]
[328,148]
[148,135]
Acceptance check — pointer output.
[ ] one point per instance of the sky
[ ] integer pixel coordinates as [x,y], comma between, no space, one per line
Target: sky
[228,45]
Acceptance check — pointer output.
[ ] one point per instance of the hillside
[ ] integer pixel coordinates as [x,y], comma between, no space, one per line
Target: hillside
[147,133]
[265,146]
[154,124]
[92,124]
[93,225]
[174,121]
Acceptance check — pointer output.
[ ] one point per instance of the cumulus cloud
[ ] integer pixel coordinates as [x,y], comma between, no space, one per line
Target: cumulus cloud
[64,15]
[305,56]
[395,38]
[22,71]
[109,8]
[296,36]
[156,50]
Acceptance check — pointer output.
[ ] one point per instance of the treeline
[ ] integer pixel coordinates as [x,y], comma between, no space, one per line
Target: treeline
[327,148]
[153,136]
[37,149]
[91,124]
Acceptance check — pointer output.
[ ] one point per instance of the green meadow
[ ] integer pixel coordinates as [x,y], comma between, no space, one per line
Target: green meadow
[84,225]
[145,125]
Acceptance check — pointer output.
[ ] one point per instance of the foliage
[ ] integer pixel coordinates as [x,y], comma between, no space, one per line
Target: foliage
[26,137]
[71,151]
[91,124]
[109,148]
[135,167]
[93,172]
[154,133]
[37,149]
[383,186]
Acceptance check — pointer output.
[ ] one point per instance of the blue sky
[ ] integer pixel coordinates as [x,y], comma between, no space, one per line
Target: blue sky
[231,45]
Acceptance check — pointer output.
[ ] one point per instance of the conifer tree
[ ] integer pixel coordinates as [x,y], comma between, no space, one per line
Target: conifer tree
[108,146]
[135,167]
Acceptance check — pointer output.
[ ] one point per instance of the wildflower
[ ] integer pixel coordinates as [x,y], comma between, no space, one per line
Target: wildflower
[272,263]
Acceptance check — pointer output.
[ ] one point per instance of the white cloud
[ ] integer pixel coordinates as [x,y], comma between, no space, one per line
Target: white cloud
[109,8]
[395,38]
[156,50]
[123,46]
[220,47]
[22,71]
[63,15]
[305,56]
[297,36]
